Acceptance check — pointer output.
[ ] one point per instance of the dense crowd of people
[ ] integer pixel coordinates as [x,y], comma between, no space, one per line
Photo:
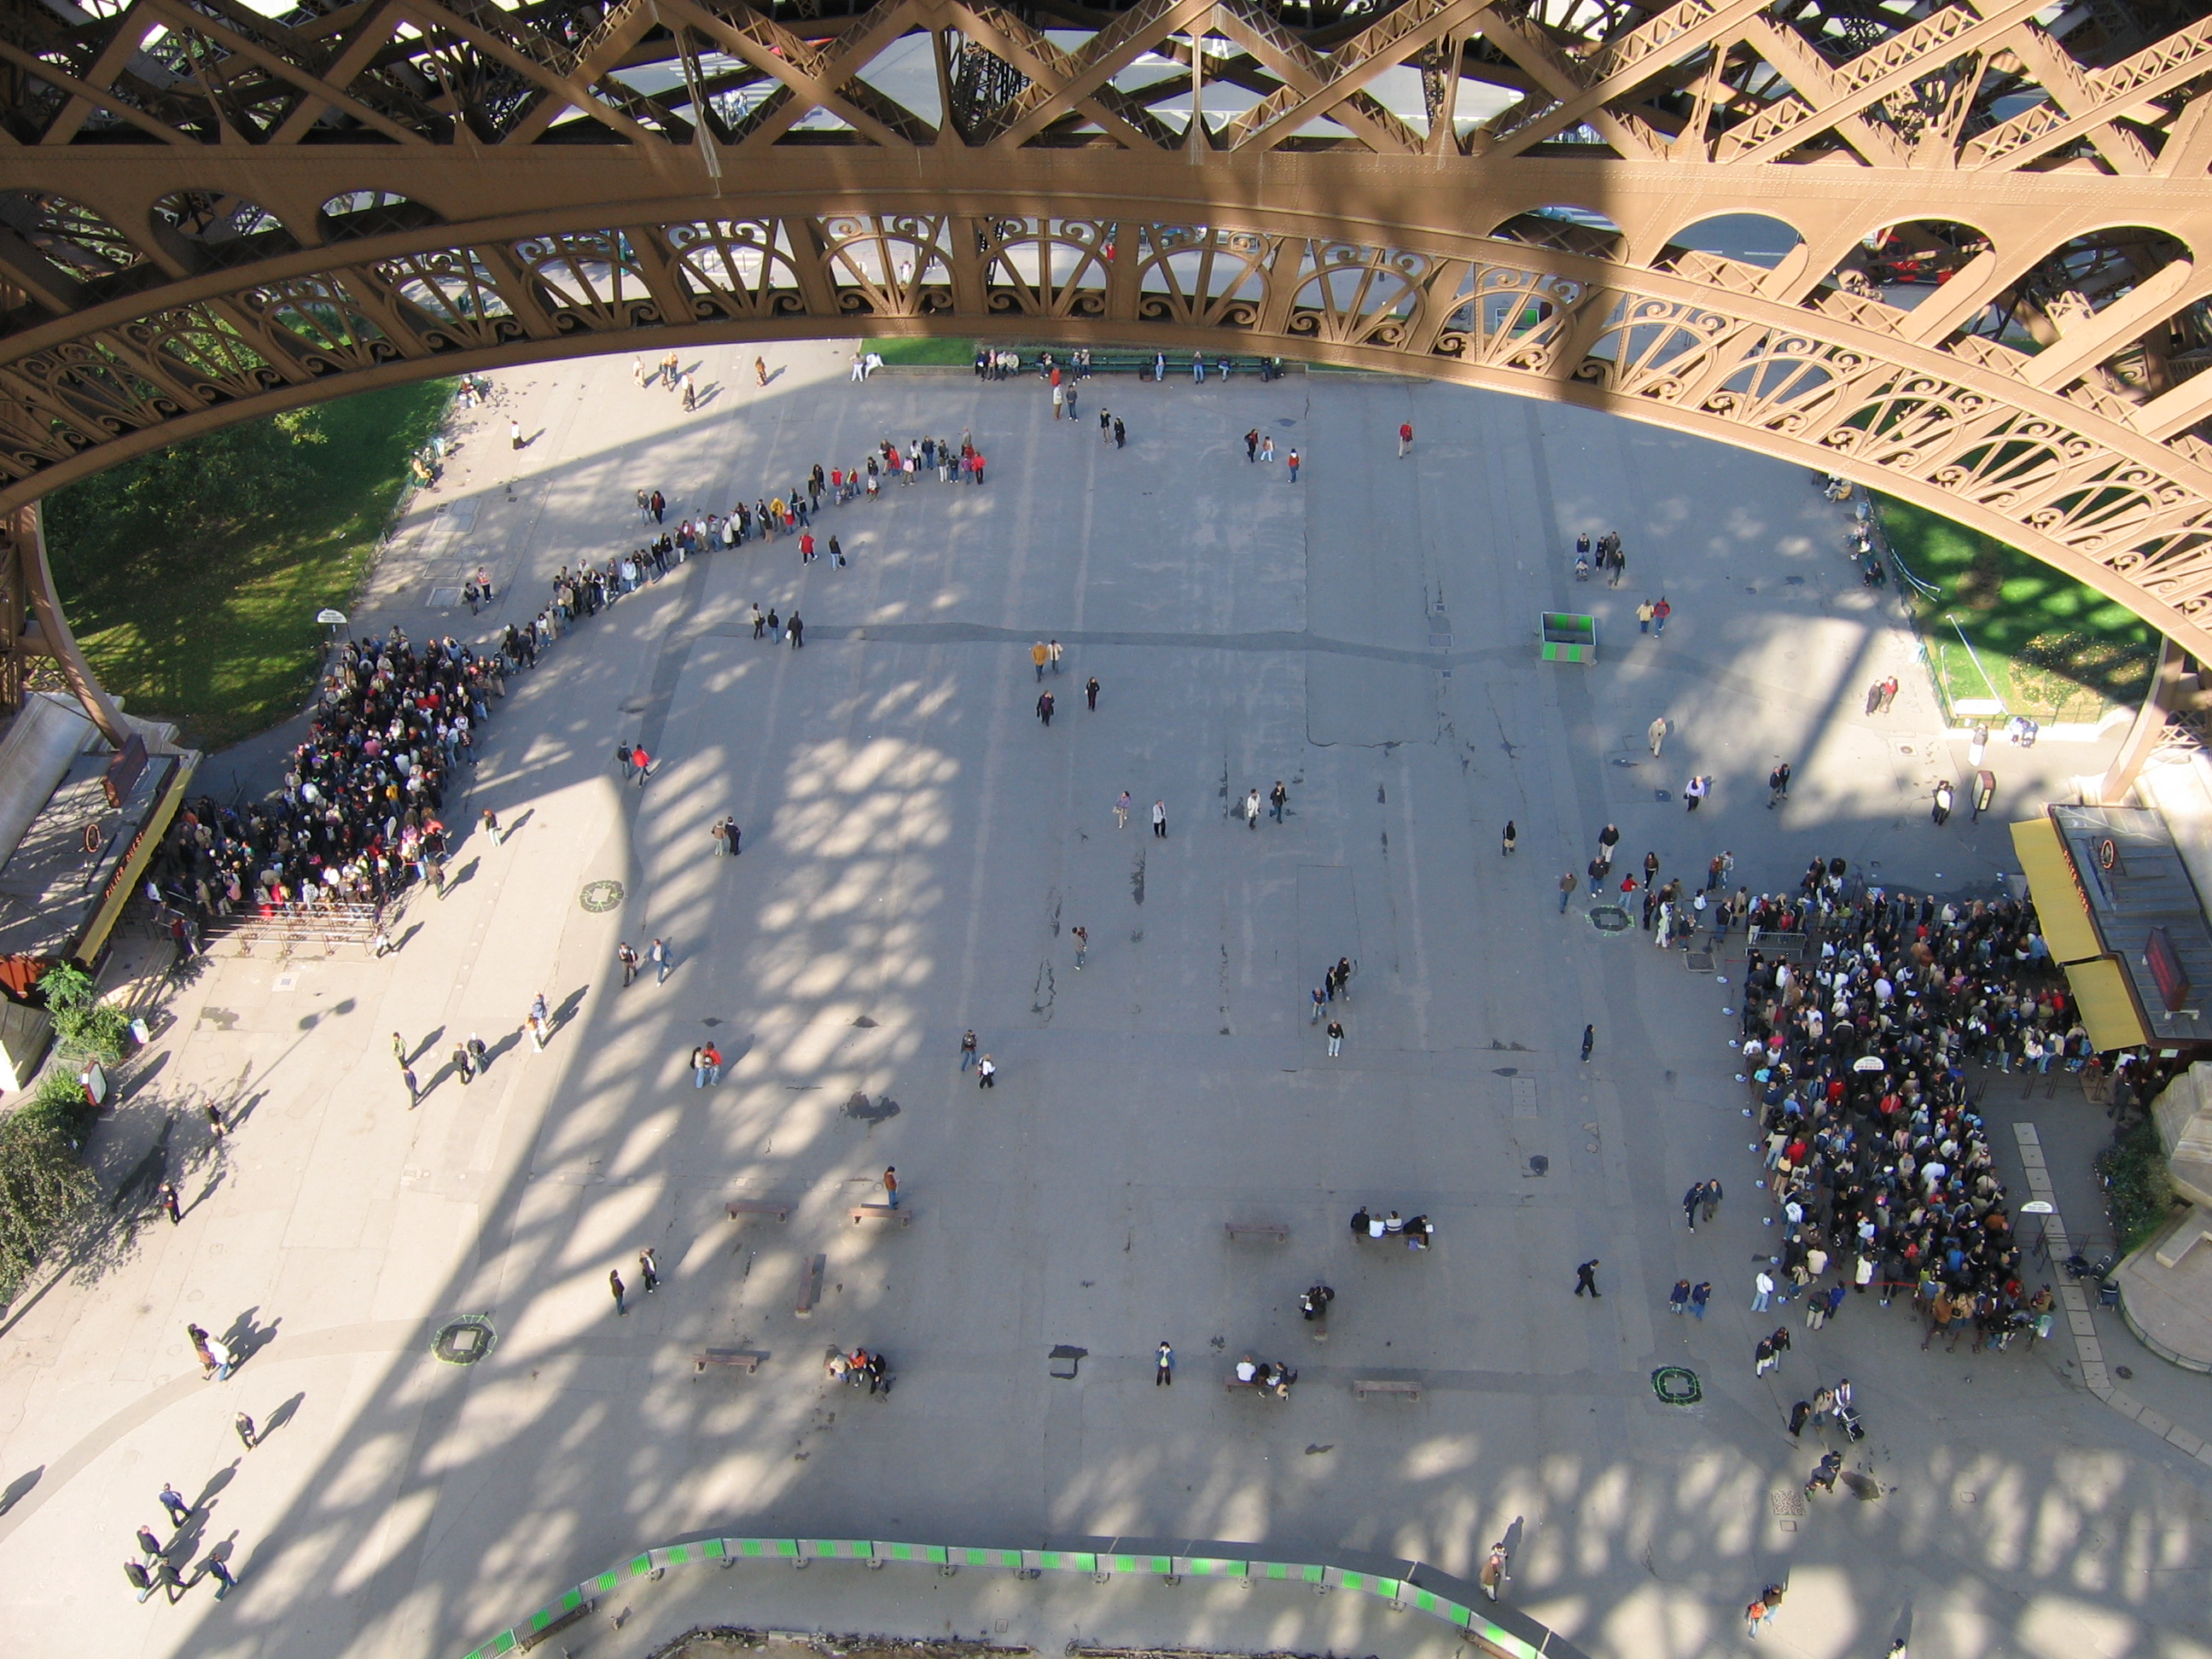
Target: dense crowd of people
[1879,1167]
[357,821]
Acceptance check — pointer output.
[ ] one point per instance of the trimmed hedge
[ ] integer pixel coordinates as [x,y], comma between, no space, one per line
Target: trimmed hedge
[2138,1193]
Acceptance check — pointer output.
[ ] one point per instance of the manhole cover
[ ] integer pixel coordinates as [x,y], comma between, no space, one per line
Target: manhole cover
[600,895]
[1610,919]
[1786,1504]
[466,1340]
[1676,1385]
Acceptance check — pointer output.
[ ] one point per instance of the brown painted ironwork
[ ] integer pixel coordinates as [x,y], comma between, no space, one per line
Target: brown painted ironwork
[207,214]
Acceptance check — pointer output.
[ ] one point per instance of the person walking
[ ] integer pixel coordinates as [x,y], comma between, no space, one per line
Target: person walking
[1694,791]
[1679,1298]
[462,1064]
[1507,841]
[1568,881]
[1700,1294]
[1336,1039]
[216,1567]
[1318,999]
[663,959]
[643,763]
[1778,786]
[795,631]
[1586,1278]
[1888,696]
[1160,819]
[1251,444]
[1037,655]
[627,958]
[1643,617]
[1121,811]
[1044,709]
[1655,734]
[1252,810]
[1090,693]
[181,1512]
[169,1205]
[891,1185]
[987,1073]
[1691,1199]
[1404,439]
[1279,798]
[1711,1201]
[1608,838]
[538,1022]
[1493,1575]
[1941,809]
[514,435]
[248,1436]
[1054,651]
[414,1089]
[1082,938]
[615,1284]
[1164,1365]
[967,1051]
[1589,1040]
[649,1270]
[1762,1289]
[710,1065]
[1293,460]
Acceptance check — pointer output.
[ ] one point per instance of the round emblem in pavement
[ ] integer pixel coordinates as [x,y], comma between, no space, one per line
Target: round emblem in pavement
[1609,919]
[600,895]
[465,1341]
[1676,1385]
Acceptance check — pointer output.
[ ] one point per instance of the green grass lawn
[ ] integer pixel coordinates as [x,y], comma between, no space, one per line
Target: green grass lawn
[2049,648]
[214,628]
[957,352]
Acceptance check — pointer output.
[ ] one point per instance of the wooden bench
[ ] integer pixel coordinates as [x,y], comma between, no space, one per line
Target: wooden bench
[744,1358]
[1231,1383]
[740,1208]
[881,1212]
[1274,1230]
[810,1287]
[530,1639]
[1369,1385]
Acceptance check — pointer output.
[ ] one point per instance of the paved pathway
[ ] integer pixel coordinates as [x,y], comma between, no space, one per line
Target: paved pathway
[917,848]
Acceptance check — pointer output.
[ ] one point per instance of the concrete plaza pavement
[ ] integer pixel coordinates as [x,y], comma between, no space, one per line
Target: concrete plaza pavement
[917,846]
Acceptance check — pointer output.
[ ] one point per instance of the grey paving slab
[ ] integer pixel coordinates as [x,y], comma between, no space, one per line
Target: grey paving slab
[917,846]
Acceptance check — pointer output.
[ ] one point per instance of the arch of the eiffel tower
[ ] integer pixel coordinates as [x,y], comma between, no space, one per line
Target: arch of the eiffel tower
[1975,285]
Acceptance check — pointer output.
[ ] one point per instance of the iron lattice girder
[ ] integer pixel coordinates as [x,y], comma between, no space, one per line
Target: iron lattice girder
[215,72]
[560,252]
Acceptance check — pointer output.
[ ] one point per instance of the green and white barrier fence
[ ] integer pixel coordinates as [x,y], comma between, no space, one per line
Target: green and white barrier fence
[1399,1592]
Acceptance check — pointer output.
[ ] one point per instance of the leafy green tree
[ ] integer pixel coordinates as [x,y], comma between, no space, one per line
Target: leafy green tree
[84,1026]
[202,489]
[44,1182]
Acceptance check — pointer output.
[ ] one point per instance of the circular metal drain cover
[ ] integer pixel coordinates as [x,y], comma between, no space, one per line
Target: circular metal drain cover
[1677,1386]
[600,896]
[1610,919]
[466,1340]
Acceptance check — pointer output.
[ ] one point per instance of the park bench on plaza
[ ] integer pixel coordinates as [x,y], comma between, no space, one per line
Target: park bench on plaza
[1274,1229]
[741,1207]
[1368,1385]
[745,1359]
[883,1212]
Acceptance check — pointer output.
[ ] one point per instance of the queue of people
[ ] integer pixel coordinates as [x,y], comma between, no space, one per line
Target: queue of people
[357,820]
[1880,1168]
